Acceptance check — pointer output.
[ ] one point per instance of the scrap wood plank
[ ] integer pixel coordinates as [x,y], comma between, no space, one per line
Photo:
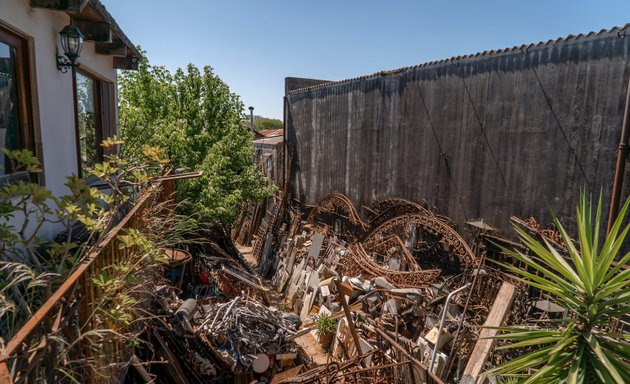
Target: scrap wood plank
[484,345]
[175,370]
[288,374]
[5,375]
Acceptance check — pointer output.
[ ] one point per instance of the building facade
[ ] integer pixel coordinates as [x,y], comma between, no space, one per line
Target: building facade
[60,115]
[37,100]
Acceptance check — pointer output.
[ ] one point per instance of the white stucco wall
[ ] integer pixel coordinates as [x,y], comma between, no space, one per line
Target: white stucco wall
[53,105]
[52,90]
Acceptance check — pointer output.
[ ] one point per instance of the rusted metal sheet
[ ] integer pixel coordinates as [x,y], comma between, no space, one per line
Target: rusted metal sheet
[489,135]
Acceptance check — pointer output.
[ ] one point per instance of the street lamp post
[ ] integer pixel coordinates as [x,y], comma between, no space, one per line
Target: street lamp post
[251,118]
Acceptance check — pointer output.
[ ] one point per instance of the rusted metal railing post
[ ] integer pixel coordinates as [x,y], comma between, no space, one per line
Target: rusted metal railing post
[622,154]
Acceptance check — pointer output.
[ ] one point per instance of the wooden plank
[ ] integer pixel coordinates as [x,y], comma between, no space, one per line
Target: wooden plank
[288,374]
[172,365]
[115,48]
[94,30]
[484,345]
[130,63]
[137,364]
[5,375]
[72,6]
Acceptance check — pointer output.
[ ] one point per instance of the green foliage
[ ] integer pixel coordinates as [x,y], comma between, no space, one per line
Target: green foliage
[31,267]
[267,123]
[592,283]
[195,118]
[22,160]
[325,325]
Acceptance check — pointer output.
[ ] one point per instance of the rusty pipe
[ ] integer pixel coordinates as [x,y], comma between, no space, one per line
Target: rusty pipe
[451,355]
[622,154]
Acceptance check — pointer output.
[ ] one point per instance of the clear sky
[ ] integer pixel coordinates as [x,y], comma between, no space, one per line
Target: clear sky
[254,44]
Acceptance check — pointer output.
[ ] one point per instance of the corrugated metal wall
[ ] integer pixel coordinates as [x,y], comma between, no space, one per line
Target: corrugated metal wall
[486,136]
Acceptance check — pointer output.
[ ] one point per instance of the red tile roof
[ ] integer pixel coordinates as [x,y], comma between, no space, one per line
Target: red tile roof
[270,132]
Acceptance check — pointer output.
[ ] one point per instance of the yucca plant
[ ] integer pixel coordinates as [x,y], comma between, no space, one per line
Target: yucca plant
[591,281]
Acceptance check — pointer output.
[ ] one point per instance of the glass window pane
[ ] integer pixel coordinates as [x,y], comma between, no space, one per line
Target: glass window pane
[10,136]
[87,121]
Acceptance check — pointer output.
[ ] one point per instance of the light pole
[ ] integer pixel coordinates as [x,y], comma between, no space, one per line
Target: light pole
[251,118]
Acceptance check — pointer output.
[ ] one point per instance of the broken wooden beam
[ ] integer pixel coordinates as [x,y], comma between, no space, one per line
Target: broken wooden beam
[346,310]
[278,378]
[484,345]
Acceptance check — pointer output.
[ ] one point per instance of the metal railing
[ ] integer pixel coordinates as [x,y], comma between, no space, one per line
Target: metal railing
[37,353]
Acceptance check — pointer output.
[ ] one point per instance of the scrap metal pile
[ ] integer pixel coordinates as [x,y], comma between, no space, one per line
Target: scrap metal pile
[213,324]
[416,292]
[397,298]
[245,330]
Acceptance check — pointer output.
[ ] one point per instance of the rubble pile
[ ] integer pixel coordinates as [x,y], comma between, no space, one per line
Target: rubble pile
[399,298]
[405,278]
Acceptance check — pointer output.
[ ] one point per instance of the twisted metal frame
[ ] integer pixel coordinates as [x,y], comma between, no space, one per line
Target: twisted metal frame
[358,263]
[430,224]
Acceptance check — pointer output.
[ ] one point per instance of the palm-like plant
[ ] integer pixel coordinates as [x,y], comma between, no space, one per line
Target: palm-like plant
[592,283]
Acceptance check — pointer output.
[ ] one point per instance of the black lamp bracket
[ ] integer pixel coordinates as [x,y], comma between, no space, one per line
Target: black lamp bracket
[63,63]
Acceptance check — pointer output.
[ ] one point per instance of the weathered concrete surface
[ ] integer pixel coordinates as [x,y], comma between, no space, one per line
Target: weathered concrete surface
[490,135]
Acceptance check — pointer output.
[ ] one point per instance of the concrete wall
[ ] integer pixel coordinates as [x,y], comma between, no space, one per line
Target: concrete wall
[52,90]
[483,136]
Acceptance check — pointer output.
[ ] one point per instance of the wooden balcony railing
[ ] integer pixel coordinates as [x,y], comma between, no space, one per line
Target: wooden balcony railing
[33,354]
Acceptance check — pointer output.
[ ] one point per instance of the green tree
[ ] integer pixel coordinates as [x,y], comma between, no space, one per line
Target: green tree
[195,118]
[592,282]
[267,123]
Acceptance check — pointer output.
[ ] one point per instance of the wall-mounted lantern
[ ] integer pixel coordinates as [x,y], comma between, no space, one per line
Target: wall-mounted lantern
[71,42]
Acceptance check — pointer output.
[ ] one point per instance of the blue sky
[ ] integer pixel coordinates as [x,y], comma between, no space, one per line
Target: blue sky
[253,45]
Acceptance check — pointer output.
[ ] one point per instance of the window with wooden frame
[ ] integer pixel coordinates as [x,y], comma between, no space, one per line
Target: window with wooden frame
[16,118]
[95,117]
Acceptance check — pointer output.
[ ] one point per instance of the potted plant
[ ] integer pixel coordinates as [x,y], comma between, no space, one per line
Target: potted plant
[326,328]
